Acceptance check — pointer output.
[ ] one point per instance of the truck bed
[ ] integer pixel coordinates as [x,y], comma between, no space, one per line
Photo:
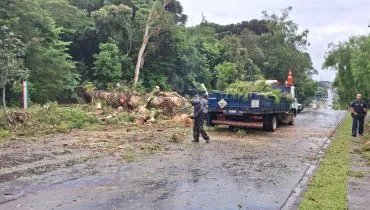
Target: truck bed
[246,104]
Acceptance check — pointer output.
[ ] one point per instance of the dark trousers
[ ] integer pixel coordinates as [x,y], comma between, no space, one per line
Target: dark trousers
[358,123]
[198,128]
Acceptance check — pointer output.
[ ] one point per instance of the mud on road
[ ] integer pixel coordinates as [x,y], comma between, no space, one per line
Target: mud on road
[93,169]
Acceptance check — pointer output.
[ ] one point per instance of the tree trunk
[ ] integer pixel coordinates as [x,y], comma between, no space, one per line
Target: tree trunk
[151,20]
[141,54]
[4,101]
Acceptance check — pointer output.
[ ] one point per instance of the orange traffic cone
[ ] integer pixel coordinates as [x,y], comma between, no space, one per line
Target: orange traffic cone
[290,78]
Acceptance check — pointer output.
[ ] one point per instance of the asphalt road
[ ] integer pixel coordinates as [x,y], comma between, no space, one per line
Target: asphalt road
[245,170]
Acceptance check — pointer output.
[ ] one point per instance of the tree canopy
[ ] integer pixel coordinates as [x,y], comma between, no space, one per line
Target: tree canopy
[351,61]
[72,42]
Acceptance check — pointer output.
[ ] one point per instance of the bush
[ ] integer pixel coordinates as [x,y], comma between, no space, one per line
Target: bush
[52,118]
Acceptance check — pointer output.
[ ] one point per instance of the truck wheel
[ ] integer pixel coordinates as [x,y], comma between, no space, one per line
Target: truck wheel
[292,121]
[270,123]
[273,123]
[266,122]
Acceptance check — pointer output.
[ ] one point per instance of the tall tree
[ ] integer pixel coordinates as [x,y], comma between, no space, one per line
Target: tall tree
[107,65]
[351,61]
[11,62]
[154,17]
[46,58]
[114,23]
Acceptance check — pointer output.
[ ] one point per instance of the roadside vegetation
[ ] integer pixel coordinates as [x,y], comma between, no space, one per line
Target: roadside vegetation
[328,187]
[351,61]
[79,51]
[53,118]
[59,46]
[366,144]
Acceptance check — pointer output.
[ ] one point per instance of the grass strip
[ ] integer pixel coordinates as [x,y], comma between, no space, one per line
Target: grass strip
[328,187]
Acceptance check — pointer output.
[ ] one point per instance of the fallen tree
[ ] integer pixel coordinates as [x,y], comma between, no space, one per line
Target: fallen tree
[165,103]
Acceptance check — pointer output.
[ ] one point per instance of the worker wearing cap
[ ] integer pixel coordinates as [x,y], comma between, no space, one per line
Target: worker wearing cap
[358,112]
[200,111]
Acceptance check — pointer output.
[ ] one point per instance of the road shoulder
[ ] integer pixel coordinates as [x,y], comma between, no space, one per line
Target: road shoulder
[359,171]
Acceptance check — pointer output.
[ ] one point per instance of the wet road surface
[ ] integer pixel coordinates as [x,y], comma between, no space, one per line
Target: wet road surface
[252,170]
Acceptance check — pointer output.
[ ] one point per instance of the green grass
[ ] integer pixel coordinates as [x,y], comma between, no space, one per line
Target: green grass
[4,134]
[328,187]
[128,156]
[53,118]
[122,119]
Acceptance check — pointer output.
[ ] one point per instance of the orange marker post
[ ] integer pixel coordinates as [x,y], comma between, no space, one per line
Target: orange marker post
[290,78]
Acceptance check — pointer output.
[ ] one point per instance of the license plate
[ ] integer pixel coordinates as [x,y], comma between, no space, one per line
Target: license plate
[255,104]
[232,111]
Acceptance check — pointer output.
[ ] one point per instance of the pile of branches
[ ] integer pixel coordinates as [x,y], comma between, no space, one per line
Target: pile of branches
[260,87]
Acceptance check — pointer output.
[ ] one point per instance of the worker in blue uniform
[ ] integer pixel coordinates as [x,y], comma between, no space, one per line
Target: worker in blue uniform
[358,112]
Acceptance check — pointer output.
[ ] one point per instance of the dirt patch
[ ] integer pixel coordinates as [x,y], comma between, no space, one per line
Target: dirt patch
[22,157]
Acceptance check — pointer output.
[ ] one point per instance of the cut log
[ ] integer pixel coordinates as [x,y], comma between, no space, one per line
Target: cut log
[136,101]
[168,102]
[156,102]
[184,119]
[143,111]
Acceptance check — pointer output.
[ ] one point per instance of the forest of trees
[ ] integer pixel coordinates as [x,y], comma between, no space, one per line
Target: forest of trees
[58,45]
[351,61]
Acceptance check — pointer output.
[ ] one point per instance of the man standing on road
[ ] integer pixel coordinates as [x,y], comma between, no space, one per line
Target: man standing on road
[358,112]
[200,111]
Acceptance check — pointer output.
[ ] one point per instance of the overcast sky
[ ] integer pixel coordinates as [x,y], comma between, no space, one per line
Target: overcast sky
[327,20]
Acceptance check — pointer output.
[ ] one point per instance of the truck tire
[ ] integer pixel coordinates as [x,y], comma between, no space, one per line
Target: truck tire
[292,121]
[270,123]
[265,122]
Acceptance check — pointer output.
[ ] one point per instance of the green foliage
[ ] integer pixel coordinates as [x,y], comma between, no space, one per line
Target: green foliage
[72,20]
[46,56]
[4,134]
[52,73]
[89,86]
[306,88]
[114,23]
[89,5]
[107,65]
[351,60]
[72,42]
[52,118]
[328,188]
[245,88]
[122,119]
[226,74]
[241,87]
[11,65]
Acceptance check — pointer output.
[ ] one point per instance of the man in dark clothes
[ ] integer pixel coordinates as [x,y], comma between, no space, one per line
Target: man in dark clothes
[200,111]
[358,112]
